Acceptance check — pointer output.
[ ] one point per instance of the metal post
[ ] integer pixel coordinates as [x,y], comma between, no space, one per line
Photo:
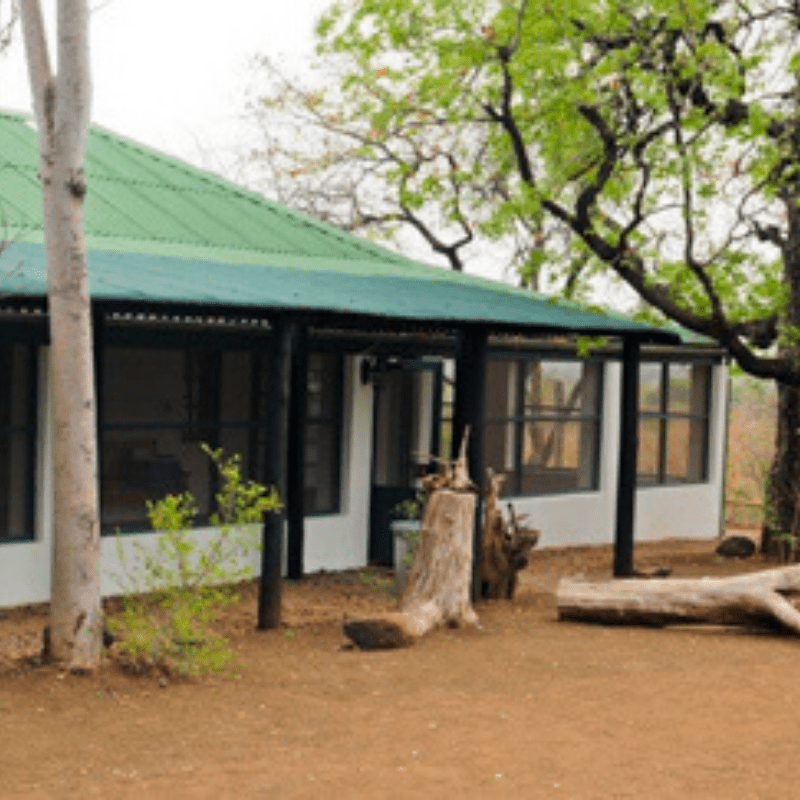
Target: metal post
[468,410]
[628,446]
[98,336]
[295,490]
[275,474]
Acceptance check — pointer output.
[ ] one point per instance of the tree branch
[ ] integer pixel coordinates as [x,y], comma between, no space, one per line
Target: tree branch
[506,119]
[39,71]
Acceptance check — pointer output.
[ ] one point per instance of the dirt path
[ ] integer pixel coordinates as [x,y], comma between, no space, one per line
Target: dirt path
[526,708]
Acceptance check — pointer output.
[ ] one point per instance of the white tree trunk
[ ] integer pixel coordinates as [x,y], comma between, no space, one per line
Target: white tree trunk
[757,599]
[61,103]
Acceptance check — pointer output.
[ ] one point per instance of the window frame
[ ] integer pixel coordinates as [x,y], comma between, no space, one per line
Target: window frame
[215,345]
[30,430]
[334,419]
[664,415]
[514,484]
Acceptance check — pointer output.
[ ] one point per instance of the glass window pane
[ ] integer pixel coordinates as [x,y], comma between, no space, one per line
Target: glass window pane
[678,449]
[558,456]
[142,465]
[650,387]
[145,385]
[649,453]
[562,387]
[498,444]
[699,397]
[15,391]
[321,469]
[686,449]
[151,435]
[679,389]
[17,440]
[16,468]
[235,386]
[323,383]
[501,388]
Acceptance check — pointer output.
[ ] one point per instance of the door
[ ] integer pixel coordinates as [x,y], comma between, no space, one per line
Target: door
[407,403]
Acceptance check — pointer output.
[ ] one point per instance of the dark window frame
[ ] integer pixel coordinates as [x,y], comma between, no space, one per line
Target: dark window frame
[334,420]
[214,347]
[30,430]
[514,484]
[664,415]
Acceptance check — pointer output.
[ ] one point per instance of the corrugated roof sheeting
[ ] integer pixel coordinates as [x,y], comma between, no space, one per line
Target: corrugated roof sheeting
[161,231]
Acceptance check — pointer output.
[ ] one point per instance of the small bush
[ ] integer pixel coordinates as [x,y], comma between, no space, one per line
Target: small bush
[181,587]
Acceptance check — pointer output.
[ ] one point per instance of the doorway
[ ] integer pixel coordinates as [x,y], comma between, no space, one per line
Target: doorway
[406,413]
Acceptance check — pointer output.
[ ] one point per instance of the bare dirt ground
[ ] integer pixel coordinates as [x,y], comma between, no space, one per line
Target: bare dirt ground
[527,707]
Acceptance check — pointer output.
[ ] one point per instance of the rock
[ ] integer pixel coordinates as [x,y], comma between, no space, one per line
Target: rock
[377,634]
[736,547]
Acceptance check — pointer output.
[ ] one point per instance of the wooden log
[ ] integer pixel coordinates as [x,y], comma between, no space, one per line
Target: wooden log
[756,599]
[438,586]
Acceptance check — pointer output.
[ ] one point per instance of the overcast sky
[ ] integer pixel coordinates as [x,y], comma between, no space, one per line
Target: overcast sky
[174,74]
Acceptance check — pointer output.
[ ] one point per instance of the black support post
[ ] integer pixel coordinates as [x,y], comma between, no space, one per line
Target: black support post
[98,324]
[628,446]
[295,490]
[468,410]
[275,474]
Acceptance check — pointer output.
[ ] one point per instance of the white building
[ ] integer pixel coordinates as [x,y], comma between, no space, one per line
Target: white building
[199,287]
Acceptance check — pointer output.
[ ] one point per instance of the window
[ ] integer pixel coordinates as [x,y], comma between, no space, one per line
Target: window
[447,389]
[542,424]
[158,405]
[323,433]
[673,422]
[18,409]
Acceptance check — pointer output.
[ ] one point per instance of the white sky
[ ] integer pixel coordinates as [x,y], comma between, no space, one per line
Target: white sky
[174,74]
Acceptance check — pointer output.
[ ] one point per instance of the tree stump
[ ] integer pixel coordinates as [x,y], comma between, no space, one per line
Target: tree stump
[438,586]
[757,599]
[505,545]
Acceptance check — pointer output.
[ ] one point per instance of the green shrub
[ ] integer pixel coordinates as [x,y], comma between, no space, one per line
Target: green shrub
[179,588]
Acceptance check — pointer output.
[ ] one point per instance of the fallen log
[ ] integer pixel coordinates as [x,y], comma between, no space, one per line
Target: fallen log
[438,586]
[756,599]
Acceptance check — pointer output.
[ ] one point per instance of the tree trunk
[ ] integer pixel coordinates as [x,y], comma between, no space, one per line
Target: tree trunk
[439,583]
[61,103]
[756,599]
[782,523]
[783,487]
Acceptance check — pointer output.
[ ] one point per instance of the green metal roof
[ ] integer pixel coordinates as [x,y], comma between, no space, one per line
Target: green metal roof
[161,231]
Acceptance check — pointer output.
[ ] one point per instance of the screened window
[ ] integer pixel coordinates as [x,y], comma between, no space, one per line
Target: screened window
[542,424]
[323,433]
[18,401]
[158,405]
[673,422]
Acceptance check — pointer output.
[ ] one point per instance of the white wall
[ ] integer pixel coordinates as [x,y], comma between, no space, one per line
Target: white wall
[340,541]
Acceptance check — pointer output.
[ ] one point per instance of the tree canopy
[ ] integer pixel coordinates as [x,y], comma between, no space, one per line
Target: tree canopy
[658,143]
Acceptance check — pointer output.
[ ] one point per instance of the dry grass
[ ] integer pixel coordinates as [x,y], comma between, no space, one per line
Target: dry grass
[751,436]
